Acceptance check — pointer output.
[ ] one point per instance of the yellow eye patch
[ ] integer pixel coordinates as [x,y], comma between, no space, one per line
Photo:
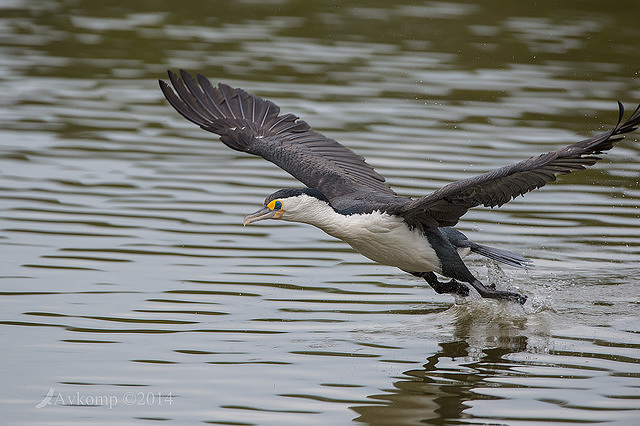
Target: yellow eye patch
[275,205]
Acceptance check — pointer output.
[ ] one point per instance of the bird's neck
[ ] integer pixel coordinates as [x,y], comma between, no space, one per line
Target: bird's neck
[348,228]
[316,212]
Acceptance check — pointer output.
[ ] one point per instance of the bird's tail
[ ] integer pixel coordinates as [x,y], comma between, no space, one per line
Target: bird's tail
[504,256]
[459,240]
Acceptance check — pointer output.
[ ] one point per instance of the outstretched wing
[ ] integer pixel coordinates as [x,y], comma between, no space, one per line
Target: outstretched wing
[248,123]
[495,188]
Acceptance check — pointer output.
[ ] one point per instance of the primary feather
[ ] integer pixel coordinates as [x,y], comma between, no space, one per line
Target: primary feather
[500,186]
[251,124]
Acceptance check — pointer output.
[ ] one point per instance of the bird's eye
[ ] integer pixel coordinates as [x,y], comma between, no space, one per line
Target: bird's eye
[275,205]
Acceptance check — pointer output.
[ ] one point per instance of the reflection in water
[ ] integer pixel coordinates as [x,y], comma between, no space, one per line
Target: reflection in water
[514,369]
[440,391]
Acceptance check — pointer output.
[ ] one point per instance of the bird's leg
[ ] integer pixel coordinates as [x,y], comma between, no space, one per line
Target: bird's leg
[492,293]
[452,287]
[456,287]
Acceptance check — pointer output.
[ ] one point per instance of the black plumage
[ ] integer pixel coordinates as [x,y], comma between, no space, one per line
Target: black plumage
[500,186]
[251,124]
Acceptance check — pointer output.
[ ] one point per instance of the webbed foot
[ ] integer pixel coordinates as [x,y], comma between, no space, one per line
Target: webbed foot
[491,293]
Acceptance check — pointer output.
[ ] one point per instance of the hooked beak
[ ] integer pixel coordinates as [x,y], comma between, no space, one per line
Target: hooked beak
[262,214]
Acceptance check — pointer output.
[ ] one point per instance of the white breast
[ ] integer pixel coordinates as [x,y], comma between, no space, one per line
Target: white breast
[381,237]
[385,239]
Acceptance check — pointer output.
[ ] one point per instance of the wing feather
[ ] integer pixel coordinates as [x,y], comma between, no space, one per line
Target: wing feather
[254,125]
[495,188]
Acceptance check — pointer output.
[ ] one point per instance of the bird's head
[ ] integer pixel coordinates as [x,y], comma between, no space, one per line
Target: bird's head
[291,204]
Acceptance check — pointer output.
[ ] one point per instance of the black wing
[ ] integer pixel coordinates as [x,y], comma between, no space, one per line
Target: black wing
[495,188]
[251,124]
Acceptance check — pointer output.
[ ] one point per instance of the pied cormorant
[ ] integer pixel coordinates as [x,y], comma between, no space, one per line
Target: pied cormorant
[348,199]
